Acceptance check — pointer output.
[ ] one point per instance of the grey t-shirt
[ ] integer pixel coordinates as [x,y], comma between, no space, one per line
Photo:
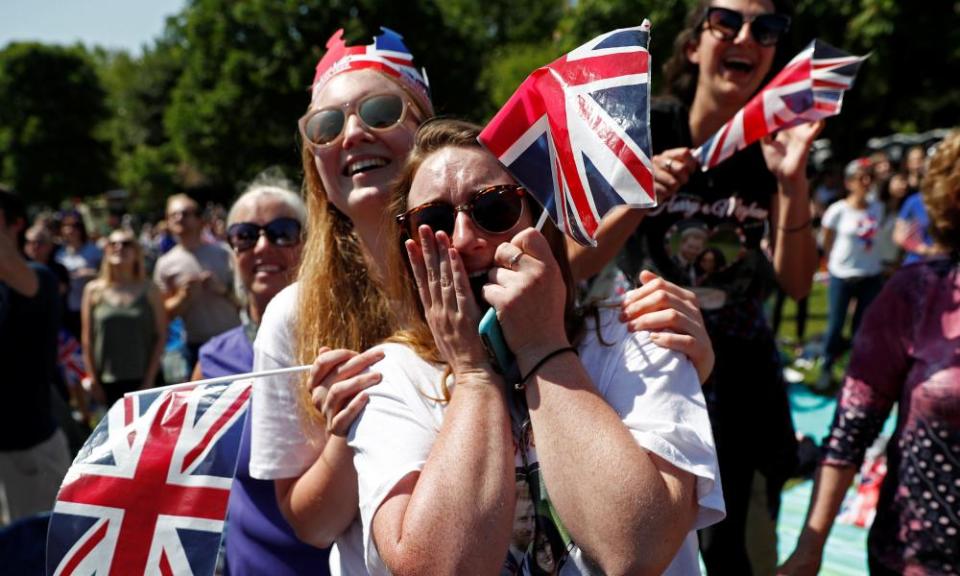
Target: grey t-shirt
[206,313]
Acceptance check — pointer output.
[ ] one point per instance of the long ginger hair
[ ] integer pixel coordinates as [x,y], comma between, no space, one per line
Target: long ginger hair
[339,303]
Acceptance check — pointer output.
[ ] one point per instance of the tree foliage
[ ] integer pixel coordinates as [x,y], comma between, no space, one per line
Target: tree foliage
[52,106]
[215,100]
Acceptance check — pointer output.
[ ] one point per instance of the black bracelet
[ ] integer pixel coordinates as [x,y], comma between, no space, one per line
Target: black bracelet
[796,228]
[523,381]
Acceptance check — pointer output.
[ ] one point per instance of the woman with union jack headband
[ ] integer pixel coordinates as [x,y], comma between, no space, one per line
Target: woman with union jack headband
[366,103]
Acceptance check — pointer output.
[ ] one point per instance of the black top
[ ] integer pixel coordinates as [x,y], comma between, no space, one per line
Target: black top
[28,342]
[708,236]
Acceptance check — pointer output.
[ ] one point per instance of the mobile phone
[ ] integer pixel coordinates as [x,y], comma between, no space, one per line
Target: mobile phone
[494,342]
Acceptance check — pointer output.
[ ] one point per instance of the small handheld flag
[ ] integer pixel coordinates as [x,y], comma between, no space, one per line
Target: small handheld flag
[576,133]
[808,89]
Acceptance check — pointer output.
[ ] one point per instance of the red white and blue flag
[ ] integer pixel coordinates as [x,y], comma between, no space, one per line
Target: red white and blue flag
[386,54]
[576,133]
[148,491]
[809,88]
[70,359]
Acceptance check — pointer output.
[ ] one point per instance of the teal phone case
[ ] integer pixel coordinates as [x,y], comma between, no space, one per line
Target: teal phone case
[493,341]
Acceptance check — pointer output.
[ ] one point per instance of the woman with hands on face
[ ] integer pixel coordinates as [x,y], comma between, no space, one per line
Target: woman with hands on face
[624,456]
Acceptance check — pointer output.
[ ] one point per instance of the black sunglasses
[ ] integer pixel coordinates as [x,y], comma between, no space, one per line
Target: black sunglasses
[494,209]
[322,127]
[280,232]
[725,24]
[121,244]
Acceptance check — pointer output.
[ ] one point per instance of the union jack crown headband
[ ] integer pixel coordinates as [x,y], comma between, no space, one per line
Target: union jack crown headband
[387,54]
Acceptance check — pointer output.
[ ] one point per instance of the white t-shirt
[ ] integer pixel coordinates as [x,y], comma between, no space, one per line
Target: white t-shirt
[283,444]
[855,252]
[655,391]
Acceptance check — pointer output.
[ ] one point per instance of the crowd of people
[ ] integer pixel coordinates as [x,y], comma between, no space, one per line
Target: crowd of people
[628,438]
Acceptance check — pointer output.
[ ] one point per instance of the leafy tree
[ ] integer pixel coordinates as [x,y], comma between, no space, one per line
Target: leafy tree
[52,106]
[139,92]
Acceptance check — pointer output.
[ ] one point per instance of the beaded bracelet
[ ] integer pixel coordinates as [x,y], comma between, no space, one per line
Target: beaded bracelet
[523,381]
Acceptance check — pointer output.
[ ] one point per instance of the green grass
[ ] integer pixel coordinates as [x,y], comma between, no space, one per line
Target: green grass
[815,329]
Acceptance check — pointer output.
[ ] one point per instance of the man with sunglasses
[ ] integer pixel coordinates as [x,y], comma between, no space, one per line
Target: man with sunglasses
[196,278]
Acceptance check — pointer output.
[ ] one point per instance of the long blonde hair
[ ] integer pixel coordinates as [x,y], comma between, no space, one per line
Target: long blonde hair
[339,303]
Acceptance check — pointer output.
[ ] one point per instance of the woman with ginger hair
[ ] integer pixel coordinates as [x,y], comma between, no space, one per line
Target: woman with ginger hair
[905,354]
[624,458]
[358,130]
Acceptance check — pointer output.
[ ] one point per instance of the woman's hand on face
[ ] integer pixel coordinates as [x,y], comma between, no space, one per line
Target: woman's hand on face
[449,306]
[786,151]
[672,316]
[337,381]
[529,294]
[671,170]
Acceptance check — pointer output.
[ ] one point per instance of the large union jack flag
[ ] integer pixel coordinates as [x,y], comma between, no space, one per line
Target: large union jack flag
[576,133]
[147,494]
[809,88]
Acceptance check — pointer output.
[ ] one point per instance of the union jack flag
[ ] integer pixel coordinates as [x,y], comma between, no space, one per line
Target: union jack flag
[576,133]
[70,358]
[809,88]
[148,491]
[387,54]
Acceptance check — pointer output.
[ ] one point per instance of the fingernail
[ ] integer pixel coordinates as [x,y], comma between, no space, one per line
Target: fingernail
[654,336]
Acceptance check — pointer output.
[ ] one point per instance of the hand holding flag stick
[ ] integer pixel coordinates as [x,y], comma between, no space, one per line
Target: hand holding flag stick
[576,135]
[576,132]
[808,89]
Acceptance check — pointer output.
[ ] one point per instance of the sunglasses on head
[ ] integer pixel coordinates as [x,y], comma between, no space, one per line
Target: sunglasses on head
[494,209]
[243,236]
[322,127]
[725,24]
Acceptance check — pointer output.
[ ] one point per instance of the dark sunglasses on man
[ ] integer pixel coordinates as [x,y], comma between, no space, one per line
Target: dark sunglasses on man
[282,232]
[324,126]
[494,209]
[725,24]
